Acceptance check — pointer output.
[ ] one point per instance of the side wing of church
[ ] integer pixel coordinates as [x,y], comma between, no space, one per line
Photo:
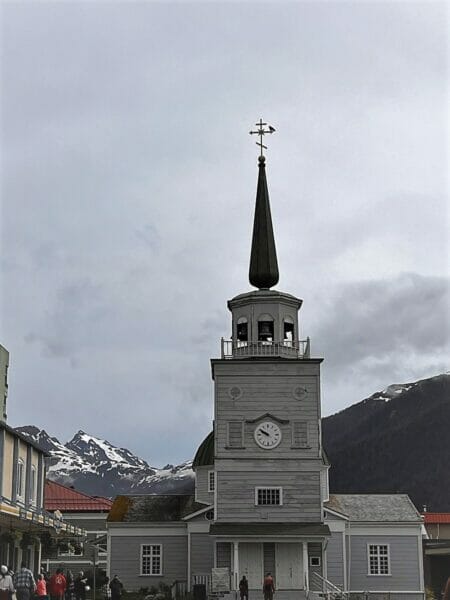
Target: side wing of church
[262,503]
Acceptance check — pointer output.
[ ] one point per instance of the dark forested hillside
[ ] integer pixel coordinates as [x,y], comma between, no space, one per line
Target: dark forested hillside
[395,441]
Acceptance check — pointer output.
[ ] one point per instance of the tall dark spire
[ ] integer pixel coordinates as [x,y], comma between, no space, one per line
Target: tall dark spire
[263,272]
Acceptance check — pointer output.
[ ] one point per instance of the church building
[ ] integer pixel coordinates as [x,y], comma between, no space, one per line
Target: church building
[261,501]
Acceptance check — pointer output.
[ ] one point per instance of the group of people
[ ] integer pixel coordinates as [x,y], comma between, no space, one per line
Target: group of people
[268,587]
[58,586]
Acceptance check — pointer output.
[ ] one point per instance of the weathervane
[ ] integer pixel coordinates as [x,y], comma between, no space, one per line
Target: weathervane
[261,131]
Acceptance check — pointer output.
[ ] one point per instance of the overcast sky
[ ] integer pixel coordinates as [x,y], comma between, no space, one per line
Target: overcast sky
[128,184]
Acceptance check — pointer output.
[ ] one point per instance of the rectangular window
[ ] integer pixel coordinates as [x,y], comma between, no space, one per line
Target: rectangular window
[20,479]
[151,559]
[235,434]
[314,561]
[272,496]
[70,548]
[378,559]
[33,486]
[211,481]
[300,434]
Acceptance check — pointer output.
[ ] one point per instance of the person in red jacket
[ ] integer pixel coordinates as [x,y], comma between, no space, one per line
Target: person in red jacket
[57,585]
[41,588]
[268,587]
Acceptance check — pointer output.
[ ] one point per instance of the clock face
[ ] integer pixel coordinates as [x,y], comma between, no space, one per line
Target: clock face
[267,435]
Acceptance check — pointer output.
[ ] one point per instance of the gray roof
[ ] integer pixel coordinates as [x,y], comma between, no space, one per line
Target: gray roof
[153,507]
[374,507]
[270,529]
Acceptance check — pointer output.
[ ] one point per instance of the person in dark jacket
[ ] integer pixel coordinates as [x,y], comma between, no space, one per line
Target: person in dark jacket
[116,587]
[79,586]
[243,588]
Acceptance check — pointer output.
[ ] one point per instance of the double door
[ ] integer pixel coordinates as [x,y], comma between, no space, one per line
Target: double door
[289,566]
[251,564]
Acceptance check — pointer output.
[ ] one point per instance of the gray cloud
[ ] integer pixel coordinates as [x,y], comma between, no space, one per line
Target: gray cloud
[128,182]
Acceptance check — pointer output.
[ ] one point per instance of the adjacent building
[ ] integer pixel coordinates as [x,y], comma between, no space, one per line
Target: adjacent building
[436,550]
[84,512]
[261,499]
[24,523]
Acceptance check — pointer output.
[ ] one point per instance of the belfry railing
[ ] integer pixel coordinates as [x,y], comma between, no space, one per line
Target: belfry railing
[284,349]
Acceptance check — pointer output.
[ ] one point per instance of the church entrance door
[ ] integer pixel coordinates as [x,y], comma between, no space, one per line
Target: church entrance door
[251,564]
[289,566]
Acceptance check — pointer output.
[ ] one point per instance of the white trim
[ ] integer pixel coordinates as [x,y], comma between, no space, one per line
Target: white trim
[389,573]
[257,489]
[335,513]
[344,556]
[160,574]
[108,556]
[189,561]
[20,491]
[150,531]
[305,582]
[33,485]
[420,557]
[383,530]
[198,512]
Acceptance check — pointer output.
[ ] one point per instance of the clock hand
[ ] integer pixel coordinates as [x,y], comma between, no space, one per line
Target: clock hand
[264,432]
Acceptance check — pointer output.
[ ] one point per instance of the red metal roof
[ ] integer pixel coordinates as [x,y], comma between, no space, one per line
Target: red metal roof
[436,518]
[67,499]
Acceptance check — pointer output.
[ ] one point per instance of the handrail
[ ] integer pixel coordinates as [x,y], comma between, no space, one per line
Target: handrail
[329,585]
[283,348]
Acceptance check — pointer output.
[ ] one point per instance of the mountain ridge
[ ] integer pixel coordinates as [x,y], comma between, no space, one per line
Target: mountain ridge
[393,441]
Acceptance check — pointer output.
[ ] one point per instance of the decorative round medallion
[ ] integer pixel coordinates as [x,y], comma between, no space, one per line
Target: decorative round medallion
[267,435]
[299,392]
[235,392]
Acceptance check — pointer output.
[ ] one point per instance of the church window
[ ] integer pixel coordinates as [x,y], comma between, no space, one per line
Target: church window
[209,515]
[151,559]
[271,496]
[242,329]
[235,434]
[211,481]
[288,331]
[300,434]
[265,328]
[378,559]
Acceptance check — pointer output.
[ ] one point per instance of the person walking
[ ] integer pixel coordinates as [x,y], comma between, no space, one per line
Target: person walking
[6,584]
[116,587]
[80,586]
[70,586]
[57,585]
[268,587]
[24,583]
[446,595]
[106,592]
[41,587]
[243,588]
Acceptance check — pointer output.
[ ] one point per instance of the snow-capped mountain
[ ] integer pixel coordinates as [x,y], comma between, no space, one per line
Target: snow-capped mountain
[97,467]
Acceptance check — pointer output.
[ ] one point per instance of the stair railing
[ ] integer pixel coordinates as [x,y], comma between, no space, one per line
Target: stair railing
[330,589]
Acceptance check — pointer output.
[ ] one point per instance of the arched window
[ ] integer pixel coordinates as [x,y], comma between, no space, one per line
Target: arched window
[242,329]
[33,486]
[288,331]
[265,328]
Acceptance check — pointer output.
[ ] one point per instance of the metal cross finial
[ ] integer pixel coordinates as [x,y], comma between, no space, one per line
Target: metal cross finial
[261,131]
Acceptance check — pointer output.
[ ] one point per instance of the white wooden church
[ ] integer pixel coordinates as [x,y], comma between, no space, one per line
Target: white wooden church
[261,500]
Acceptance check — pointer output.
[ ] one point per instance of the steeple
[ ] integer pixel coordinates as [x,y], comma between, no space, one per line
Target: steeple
[263,272]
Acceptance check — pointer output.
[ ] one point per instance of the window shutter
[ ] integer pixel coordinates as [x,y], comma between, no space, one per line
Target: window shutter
[235,431]
[300,434]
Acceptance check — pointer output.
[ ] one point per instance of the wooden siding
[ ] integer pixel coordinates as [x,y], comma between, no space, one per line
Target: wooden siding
[202,553]
[267,391]
[201,485]
[223,552]
[404,561]
[126,555]
[315,549]
[236,495]
[335,558]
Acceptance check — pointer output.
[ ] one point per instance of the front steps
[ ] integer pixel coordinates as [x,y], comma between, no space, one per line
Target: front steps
[258,595]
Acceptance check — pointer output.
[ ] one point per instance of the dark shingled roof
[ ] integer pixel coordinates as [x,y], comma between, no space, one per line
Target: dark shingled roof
[374,507]
[263,271]
[272,529]
[152,507]
[205,453]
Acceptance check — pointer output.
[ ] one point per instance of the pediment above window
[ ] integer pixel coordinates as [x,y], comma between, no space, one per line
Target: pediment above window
[268,416]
